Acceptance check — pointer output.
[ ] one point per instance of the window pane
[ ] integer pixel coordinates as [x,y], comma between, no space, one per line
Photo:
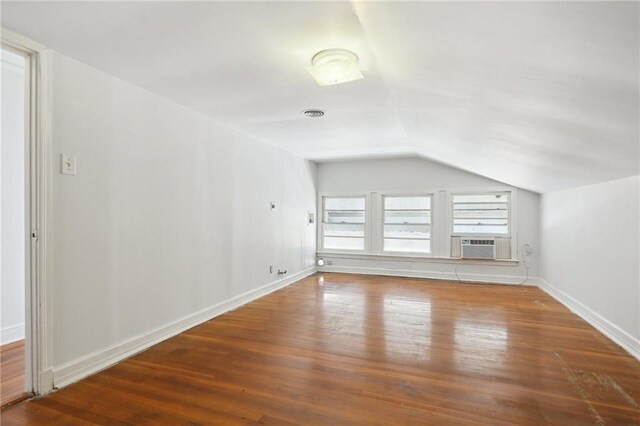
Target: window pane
[343,223]
[407,217]
[344,216]
[407,203]
[481,198]
[407,246]
[481,206]
[481,214]
[479,229]
[344,203]
[344,230]
[407,231]
[344,243]
[481,222]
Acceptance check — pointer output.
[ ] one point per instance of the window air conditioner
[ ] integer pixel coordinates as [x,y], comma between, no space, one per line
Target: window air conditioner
[473,248]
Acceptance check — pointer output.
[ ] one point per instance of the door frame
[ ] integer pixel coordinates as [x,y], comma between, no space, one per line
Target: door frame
[38,337]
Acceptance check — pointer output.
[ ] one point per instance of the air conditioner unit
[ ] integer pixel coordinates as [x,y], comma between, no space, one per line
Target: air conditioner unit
[473,248]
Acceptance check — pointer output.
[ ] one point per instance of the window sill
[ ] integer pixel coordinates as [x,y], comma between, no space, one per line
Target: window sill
[409,258]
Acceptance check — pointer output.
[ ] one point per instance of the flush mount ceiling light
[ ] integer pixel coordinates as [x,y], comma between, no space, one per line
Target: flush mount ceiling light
[334,66]
[313,113]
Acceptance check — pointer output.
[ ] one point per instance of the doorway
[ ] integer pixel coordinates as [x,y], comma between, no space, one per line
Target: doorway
[14,228]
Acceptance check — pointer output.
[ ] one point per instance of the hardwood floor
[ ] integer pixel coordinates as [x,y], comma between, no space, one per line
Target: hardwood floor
[12,373]
[339,349]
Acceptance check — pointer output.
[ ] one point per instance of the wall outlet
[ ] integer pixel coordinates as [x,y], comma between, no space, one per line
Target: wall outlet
[311,218]
[272,205]
[68,164]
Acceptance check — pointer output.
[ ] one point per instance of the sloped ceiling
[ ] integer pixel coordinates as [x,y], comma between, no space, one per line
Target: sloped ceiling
[541,95]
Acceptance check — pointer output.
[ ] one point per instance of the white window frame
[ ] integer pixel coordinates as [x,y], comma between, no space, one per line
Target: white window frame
[380,228]
[367,220]
[510,216]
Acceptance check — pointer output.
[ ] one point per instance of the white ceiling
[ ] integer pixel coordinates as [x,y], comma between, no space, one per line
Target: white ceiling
[541,95]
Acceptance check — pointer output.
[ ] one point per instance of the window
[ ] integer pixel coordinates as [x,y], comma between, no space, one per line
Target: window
[481,214]
[343,223]
[407,224]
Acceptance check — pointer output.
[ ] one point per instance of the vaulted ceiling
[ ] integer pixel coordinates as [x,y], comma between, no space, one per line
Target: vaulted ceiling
[541,95]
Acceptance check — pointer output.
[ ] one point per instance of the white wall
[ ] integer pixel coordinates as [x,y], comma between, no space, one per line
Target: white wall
[590,253]
[416,174]
[12,287]
[168,213]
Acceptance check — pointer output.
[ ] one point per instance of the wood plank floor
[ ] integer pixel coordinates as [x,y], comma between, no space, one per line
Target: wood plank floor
[12,373]
[338,349]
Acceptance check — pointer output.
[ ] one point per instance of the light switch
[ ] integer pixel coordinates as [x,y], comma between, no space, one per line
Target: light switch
[68,164]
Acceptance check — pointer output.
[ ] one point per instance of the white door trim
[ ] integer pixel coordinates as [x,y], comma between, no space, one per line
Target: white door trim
[39,359]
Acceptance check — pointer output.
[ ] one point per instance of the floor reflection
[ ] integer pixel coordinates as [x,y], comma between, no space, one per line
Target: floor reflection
[342,316]
[407,323]
[398,326]
[393,327]
[480,348]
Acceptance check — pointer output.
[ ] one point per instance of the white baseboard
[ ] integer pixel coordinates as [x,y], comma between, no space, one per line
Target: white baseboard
[612,331]
[436,275]
[99,360]
[11,334]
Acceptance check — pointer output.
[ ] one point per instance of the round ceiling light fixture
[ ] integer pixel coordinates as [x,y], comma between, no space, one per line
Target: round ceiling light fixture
[313,113]
[334,66]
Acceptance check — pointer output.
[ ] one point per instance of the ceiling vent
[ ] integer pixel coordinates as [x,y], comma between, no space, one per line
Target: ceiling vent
[314,113]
